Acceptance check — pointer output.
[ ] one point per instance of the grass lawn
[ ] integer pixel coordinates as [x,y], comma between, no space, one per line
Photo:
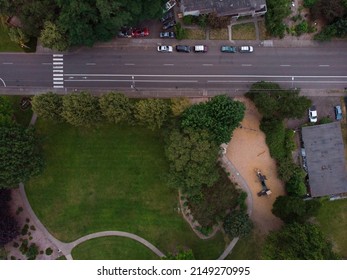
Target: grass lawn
[332,219]
[195,34]
[110,178]
[219,34]
[112,248]
[247,248]
[6,45]
[245,31]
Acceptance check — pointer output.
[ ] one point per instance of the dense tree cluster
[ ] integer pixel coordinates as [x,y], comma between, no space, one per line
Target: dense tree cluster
[277,11]
[6,111]
[298,242]
[237,223]
[61,23]
[9,228]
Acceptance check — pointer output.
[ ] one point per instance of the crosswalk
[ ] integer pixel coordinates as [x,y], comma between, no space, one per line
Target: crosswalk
[58,71]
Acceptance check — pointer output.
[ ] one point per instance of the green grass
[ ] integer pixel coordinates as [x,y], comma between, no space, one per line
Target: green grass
[247,248]
[111,178]
[245,31]
[332,219]
[113,248]
[23,117]
[195,34]
[219,34]
[6,45]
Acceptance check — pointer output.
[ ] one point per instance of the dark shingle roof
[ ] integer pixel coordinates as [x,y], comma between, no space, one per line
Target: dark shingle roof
[325,159]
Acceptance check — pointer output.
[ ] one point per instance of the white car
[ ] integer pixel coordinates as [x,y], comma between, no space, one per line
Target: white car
[165,49]
[312,114]
[200,48]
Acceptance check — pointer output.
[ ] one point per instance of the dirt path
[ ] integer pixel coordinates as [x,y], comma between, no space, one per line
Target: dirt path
[248,151]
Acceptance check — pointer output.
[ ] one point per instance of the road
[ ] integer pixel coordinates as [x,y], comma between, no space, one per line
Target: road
[144,68]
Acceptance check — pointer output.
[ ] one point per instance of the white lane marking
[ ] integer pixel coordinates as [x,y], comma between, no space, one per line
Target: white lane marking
[90,63]
[46,63]
[277,81]
[58,67]
[58,71]
[58,55]
[58,86]
[58,75]
[202,76]
[3,82]
[58,83]
[207,64]
[168,64]
[58,79]
[137,81]
[247,65]
[129,64]
[285,65]
[7,63]
[58,59]
[324,65]
[58,63]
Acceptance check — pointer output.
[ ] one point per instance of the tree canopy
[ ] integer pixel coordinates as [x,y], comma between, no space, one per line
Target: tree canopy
[48,106]
[298,242]
[20,157]
[220,116]
[6,111]
[237,224]
[116,107]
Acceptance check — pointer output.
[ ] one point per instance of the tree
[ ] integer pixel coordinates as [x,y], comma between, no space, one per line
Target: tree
[296,184]
[81,109]
[193,160]
[151,112]
[179,104]
[298,242]
[180,255]
[330,10]
[18,36]
[220,116]
[6,111]
[52,37]
[20,156]
[116,107]
[237,224]
[292,209]
[48,106]
[277,11]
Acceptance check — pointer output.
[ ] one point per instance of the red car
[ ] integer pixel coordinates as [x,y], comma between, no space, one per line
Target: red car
[140,32]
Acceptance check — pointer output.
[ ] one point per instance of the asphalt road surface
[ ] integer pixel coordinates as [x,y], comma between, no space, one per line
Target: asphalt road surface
[139,69]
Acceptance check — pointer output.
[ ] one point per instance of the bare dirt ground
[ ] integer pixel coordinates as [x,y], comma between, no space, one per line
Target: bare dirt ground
[248,151]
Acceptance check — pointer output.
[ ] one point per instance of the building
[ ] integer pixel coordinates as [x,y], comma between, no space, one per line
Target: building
[234,8]
[325,159]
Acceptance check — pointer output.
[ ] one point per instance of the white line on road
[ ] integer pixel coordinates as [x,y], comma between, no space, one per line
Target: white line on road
[324,65]
[137,81]
[58,86]
[58,59]
[247,65]
[168,64]
[249,81]
[58,75]
[58,63]
[58,67]
[90,63]
[46,63]
[58,83]
[58,55]
[58,71]
[7,63]
[207,64]
[3,82]
[58,79]
[285,65]
[129,64]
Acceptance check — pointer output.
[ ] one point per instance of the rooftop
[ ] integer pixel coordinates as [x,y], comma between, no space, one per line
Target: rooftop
[325,159]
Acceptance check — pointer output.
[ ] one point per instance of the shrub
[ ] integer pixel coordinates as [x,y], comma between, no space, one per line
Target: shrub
[25,229]
[188,20]
[237,223]
[309,3]
[32,228]
[32,251]
[301,28]
[181,33]
[49,251]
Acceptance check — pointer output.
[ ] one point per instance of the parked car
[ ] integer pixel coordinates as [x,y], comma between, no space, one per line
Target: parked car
[246,49]
[164,48]
[167,16]
[140,32]
[169,5]
[125,32]
[183,48]
[170,35]
[200,48]
[312,114]
[169,24]
[338,112]
[228,49]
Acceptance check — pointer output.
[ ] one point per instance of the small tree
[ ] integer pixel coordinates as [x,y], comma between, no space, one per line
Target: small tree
[18,36]
[52,37]
[296,184]
[151,112]
[115,107]
[179,104]
[81,109]
[48,106]
[237,223]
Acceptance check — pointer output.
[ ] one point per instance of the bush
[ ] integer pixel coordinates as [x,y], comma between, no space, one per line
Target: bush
[309,3]
[301,28]
[181,33]
[49,251]
[188,20]
[237,224]
[32,251]
[25,229]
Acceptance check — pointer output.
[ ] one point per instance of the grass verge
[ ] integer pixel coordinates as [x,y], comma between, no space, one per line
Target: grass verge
[112,248]
[262,30]
[332,219]
[219,34]
[110,178]
[195,34]
[245,31]
[6,45]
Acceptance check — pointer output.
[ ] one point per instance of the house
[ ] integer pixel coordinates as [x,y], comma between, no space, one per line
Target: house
[234,8]
[325,160]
